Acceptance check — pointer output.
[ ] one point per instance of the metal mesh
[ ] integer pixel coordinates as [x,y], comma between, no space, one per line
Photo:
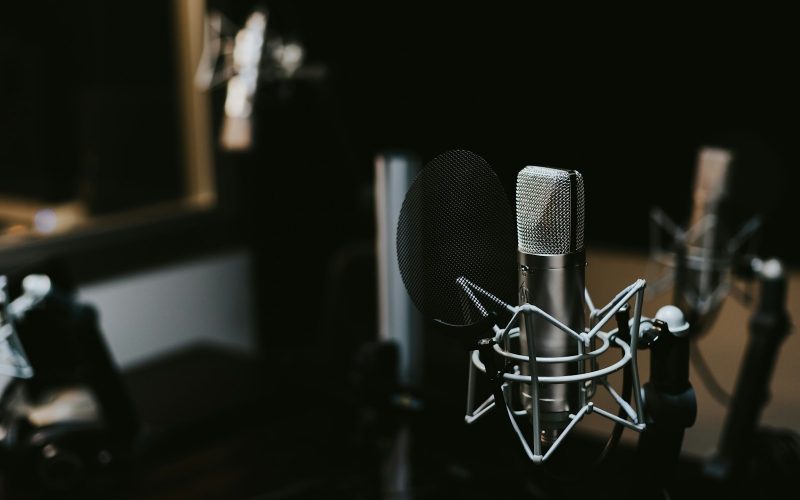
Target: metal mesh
[545,218]
[456,229]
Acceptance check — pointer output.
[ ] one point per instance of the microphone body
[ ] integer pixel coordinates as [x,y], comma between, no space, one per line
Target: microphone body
[555,284]
[552,265]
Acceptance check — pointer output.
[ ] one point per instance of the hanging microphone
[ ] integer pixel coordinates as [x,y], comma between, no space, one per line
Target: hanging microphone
[703,278]
[552,265]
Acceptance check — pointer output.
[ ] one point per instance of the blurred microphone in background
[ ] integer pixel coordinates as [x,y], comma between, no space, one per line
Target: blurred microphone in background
[719,239]
[703,260]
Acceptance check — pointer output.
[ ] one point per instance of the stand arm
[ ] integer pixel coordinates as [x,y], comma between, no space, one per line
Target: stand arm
[670,407]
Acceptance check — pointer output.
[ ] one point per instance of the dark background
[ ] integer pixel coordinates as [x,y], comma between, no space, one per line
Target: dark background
[88,108]
[626,102]
[627,98]
[89,103]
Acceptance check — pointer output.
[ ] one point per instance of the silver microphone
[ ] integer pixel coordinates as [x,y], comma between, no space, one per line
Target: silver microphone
[703,284]
[552,265]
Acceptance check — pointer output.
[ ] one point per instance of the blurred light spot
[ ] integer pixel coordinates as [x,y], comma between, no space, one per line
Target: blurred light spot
[45,221]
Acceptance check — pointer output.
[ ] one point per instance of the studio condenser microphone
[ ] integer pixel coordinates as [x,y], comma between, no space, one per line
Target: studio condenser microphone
[455,251]
[552,264]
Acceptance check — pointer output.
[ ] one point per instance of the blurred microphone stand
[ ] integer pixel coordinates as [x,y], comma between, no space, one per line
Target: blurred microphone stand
[670,403]
[745,456]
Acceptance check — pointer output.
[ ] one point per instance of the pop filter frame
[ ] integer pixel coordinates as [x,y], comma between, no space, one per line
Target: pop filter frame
[456,234]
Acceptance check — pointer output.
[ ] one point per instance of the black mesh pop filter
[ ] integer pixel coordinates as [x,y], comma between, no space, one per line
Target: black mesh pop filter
[455,237]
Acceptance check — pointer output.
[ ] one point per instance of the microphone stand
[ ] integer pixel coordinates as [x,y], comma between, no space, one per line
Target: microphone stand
[669,401]
[769,326]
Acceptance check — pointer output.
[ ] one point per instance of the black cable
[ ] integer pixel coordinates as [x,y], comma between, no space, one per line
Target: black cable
[714,388]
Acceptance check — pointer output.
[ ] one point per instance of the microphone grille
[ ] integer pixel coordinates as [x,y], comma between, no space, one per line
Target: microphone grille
[550,211]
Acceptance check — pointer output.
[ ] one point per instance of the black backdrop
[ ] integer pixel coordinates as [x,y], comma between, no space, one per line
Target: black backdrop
[627,98]
[88,103]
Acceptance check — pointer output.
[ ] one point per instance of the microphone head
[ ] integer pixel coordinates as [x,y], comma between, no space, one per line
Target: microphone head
[550,211]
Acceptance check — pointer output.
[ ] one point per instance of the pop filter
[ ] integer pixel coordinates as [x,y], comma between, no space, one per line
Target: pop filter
[456,240]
